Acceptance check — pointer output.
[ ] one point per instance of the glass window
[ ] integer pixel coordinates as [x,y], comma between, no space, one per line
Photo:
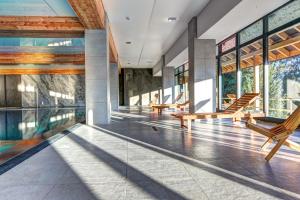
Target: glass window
[284,72]
[36,42]
[228,44]
[251,32]
[35,8]
[284,15]
[228,64]
[186,66]
[181,82]
[251,63]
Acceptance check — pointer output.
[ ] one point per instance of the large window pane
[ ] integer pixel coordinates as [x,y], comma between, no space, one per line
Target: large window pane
[251,32]
[286,14]
[36,8]
[228,64]
[284,72]
[252,72]
[181,82]
[37,42]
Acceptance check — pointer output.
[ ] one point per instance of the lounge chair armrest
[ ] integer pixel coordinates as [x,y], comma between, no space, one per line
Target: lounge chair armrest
[282,135]
[259,129]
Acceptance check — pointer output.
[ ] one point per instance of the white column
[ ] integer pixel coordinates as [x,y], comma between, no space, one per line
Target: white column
[168,77]
[203,94]
[168,83]
[97,77]
[114,86]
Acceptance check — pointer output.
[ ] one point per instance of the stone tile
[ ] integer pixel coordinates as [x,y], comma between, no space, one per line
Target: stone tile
[70,192]
[24,192]
[92,164]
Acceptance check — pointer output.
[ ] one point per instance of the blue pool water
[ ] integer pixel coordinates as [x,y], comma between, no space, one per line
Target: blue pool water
[22,129]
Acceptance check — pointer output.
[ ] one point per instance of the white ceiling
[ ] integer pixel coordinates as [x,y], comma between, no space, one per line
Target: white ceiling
[148,28]
[240,17]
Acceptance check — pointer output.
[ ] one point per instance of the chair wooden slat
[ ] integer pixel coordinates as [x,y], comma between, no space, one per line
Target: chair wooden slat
[234,111]
[280,133]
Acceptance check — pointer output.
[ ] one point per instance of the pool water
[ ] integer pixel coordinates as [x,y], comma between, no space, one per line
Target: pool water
[22,129]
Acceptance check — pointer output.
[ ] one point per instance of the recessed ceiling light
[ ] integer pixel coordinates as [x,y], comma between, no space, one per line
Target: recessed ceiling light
[128,63]
[127,18]
[128,42]
[171,19]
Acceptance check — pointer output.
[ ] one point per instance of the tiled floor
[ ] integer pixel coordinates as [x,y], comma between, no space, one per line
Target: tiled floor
[143,156]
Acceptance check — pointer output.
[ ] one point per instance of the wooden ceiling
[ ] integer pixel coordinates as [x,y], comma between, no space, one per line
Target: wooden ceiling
[282,45]
[91,15]
[41,58]
[40,71]
[38,26]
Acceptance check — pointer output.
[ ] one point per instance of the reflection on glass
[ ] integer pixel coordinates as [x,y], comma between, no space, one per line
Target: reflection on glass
[252,72]
[284,15]
[251,32]
[21,130]
[228,64]
[284,72]
[38,42]
[181,82]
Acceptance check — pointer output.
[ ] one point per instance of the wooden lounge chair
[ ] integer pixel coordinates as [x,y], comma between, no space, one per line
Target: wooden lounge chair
[160,107]
[231,98]
[279,133]
[234,111]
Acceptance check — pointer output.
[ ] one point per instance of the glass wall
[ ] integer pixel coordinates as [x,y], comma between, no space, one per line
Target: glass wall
[268,63]
[284,71]
[228,63]
[181,83]
[251,66]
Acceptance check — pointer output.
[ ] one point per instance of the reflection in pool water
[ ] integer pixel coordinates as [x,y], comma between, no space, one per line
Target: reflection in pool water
[23,129]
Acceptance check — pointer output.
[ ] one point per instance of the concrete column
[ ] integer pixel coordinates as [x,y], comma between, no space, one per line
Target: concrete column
[168,83]
[114,86]
[97,77]
[202,72]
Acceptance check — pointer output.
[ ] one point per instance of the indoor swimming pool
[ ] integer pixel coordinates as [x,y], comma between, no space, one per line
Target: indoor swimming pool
[23,129]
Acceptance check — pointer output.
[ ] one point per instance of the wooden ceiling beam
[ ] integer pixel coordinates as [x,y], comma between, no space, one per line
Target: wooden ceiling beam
[91,13]
[34,71]
[41,58]
[12,26]
[49,27]
[284,51]
[278,46]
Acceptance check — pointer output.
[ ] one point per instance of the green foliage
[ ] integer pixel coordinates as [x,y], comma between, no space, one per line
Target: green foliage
[279,72]
[229,84]
[248,80]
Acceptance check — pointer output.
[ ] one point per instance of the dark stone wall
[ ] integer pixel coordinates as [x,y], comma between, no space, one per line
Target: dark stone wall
[69,89]
[2,91]
[13,96]
[138,82]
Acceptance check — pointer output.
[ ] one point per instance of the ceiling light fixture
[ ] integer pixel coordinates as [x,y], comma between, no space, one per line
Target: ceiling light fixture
[172,19]
[128,42]
[127,18]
